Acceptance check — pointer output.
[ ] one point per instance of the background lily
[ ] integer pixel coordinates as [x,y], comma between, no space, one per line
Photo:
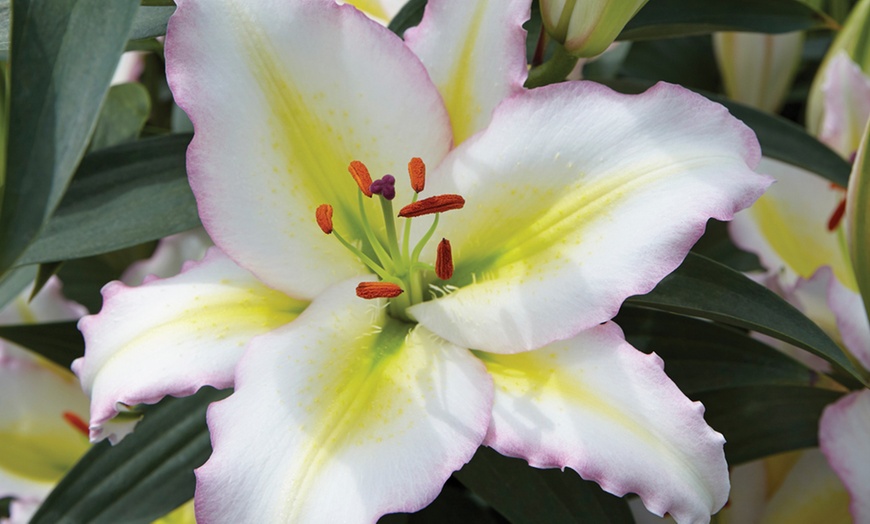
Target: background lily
[576,197]
[799,230]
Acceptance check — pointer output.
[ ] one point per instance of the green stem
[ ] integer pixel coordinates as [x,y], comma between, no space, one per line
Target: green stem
[406,234]
[390,224]
[366,260]
[381,253]
[424,240]
[554,70]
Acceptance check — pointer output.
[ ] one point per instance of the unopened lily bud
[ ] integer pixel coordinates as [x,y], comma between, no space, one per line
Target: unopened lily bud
[587,27]
[758,69]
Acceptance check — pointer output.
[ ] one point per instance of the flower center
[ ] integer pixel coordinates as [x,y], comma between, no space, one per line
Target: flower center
[403,277]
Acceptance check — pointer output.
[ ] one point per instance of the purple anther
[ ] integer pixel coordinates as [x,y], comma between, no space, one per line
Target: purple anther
[385,186]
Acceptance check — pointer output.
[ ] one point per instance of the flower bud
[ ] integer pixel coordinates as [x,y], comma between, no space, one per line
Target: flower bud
[587,27]
[758,69]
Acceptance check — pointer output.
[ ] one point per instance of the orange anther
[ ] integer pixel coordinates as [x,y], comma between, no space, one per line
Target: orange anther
[369,290]
[76,422]
[837,216]
[435,204]
[444,260]
[417,172]
[360,173]
[324,218]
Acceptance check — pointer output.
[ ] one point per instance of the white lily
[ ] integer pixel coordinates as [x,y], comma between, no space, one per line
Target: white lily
[346,409]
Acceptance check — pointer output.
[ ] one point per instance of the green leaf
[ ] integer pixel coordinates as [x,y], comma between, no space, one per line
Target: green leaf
[45,272]
[706,289]
[670,18]
[12,283]
[702,356]
[122,117]
[151,21]
[142,478]
[63,55]
[83,278]
[142,186]
[758,421]
[524,494]
[454,504]
[858,217]
[408,16]
[59,342]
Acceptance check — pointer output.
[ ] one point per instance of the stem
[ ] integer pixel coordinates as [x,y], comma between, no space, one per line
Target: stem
[390,224]
[406,234]
[554,70]
[366,260]
[424,240]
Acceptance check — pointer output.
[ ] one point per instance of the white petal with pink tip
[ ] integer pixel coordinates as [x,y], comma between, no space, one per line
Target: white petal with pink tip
[353,415]
[843,437]
[304,87]
[189,331]
[595,404]
[570,212]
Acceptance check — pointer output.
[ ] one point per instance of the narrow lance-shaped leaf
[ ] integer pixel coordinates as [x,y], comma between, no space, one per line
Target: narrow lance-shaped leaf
[142,186]
[59,342]
[858,216]
[703,288]
[670,18]
[143,477]
[62,58]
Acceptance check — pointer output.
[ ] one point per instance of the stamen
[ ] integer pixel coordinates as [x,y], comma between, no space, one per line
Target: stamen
[837,216]
[324,218]
[370,290]
[417,172]
[76,422]
[444,260]
[385,186]
[435,204]
[360,173]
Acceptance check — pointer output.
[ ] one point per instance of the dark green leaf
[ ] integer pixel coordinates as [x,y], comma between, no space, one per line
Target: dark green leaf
[670,18]
[706,289]
[654,61]
[408,16]
[142,186]
[758,421]
[716,244]
[151,21]
[83,278]
[529,495]
[63,55]
[59,342]
[122,117]
[45,272]
[145,476]
[454,504]
[12,283]
[702,356]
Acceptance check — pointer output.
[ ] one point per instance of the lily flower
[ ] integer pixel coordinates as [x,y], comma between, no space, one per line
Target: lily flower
[42,407]
[370,358]
[798,230]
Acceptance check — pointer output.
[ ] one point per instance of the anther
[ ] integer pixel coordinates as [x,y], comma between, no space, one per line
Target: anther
[360,173]
[837,216]
[417,172]
[385,186]
[435,204]
[76,422]
[444,260]
[370,290]
[324,218]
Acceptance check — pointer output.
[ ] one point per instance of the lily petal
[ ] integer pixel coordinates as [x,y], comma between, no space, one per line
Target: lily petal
[569,212]
[843,431]
[475,53]
[852,322]
[847,105]
[37,444]
[788,227]
[354,416]
[304,88]
[190,331]
[595,404]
